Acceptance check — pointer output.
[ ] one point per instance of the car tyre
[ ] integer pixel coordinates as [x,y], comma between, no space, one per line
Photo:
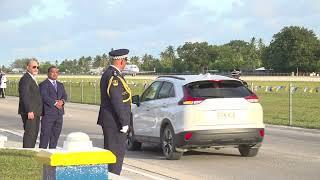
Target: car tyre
[131,143]
[247,151]
[168,144]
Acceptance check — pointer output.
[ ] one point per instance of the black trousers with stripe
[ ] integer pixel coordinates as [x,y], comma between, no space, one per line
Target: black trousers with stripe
[115,141]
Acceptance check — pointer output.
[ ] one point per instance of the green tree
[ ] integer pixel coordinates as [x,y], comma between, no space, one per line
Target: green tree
[195,56]
[84,64]
[241,50]
[68,66]
[254,60]
[149,63]
[97,61]
[167,58]
[292,48]
[227,59]
[135,60]
[260,51]
[20,63]
[44,66]
[4,69]
[105,60]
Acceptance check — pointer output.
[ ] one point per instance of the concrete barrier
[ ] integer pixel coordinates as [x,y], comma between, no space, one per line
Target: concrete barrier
[3,139]
[76,160]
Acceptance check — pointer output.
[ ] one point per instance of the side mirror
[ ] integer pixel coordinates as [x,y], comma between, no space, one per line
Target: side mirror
[136,100]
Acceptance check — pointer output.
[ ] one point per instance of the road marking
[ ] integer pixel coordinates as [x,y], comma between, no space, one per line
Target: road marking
[143,174]
[12,132]
[20,134]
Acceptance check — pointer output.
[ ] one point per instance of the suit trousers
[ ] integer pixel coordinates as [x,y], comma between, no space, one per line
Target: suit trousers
[115,141]
[31,130]
[51,126]
[2,92]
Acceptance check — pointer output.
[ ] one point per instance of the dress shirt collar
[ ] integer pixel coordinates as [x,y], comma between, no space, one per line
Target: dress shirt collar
[52,81]
[33,77]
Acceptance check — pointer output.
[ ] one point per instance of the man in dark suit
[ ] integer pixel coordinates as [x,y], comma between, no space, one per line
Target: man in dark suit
[115,108]
[30,104]
[54,97]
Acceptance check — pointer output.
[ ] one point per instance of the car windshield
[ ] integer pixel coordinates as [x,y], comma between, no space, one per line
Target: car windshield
[218,89]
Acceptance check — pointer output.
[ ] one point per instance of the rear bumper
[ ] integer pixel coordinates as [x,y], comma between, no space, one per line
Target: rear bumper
[220,137]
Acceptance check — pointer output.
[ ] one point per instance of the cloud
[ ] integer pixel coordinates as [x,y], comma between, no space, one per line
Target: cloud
[11,9]
[57,9]
[217,6]
[71,29]
[52,47]
[108,34]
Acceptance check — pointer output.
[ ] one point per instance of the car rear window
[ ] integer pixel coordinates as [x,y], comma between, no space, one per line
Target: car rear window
[218,89]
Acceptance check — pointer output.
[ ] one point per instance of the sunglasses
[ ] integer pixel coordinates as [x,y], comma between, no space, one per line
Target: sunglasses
[34,67]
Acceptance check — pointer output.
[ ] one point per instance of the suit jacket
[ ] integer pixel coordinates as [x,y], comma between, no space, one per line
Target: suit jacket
[115,107]
[50,95]
[29,96]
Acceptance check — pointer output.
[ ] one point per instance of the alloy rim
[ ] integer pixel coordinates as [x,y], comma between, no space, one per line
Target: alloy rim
[129,138]
[167,142]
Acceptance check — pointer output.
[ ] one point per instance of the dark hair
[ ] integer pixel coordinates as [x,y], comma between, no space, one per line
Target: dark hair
[51,67]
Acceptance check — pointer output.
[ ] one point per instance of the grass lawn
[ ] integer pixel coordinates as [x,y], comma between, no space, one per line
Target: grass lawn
[305,105]
[19,164]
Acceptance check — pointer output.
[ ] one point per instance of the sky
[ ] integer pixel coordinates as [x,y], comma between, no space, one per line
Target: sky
[52,30]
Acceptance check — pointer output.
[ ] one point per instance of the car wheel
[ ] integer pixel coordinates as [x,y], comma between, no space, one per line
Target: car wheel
[247,151]
[168,144]
[131,144]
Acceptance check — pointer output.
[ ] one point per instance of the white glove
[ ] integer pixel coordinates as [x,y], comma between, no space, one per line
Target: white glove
[124,129]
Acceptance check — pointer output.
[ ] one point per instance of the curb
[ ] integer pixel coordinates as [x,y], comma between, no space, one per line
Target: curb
[313,131]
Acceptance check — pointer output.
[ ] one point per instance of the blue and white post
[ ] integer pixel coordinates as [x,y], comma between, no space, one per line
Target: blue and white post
[78,159]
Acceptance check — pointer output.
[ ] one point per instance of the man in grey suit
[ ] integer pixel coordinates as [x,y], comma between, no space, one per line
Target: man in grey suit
[53,97]
[30,104]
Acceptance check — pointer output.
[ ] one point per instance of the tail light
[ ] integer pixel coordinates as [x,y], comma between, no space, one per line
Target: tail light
[261,132]
[188,99]
[253,98]
[187,136]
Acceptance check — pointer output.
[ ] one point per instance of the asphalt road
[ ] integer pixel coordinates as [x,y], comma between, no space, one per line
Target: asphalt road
[287,153]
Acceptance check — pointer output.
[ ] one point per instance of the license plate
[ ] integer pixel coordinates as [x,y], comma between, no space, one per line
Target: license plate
[226,115]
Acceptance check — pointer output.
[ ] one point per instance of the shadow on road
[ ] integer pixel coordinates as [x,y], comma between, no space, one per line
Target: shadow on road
[151,151]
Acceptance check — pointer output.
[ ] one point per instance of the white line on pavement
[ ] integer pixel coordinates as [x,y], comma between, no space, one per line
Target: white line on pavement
[125,168]
[142,173]
[12,132]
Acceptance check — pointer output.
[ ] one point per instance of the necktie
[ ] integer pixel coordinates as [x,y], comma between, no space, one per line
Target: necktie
[54,85]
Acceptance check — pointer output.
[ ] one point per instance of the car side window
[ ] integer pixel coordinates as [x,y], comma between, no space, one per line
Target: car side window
[172,93]
[151,92]
[165,90]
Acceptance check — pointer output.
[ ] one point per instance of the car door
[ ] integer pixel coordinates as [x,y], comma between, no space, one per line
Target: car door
[143,115]
[163,108]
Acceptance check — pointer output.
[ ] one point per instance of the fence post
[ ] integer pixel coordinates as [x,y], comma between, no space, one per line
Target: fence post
[290,104]
[16,88]
[81,91]
[70,90]
[8,88]
[95,92]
